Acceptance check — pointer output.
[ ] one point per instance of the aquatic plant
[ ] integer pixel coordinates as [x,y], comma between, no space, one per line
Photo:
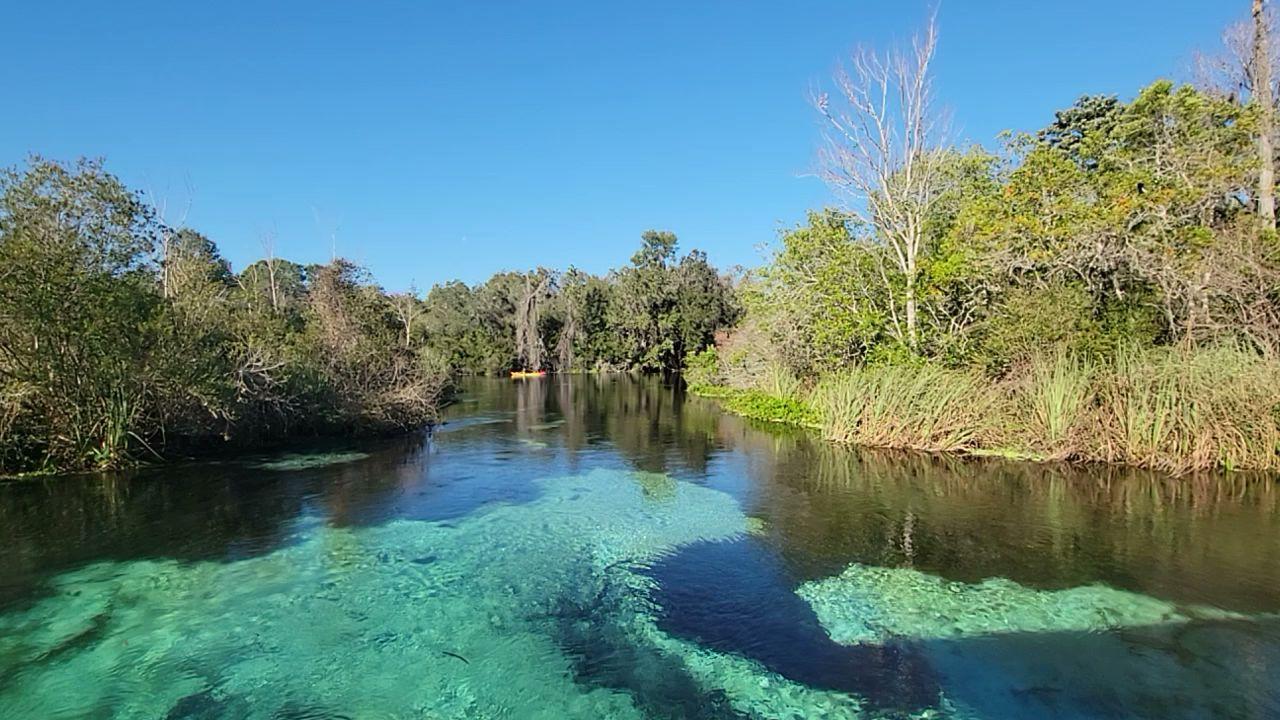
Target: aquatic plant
[903,406]
[304,461]
[760,405]
[1182,410]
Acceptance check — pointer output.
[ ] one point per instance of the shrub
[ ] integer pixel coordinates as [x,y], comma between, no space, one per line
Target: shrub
[702,369]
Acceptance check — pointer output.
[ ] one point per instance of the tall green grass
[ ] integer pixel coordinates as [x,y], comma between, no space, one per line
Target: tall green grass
[1051,403]
[905,406]
[1177,410]
[779,381]
[1181,410]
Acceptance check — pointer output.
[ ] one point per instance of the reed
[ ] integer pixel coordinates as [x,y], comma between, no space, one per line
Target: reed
[1177,410]
[1184,410]
[924,407]
[1051,404]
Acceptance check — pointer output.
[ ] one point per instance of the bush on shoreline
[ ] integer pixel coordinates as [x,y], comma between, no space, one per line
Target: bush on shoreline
[121,338]
[1175,410]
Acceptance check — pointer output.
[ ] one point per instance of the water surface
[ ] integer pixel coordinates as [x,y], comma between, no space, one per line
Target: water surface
[607,547]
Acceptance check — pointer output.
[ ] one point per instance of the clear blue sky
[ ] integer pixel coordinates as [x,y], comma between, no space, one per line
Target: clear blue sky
[454,139]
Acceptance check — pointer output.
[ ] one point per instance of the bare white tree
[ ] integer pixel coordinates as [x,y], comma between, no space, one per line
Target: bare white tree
[169,227]
[408,308]
[882,151]
[1266,114]
[269,259]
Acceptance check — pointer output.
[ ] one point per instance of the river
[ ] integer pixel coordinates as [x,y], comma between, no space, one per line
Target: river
[608,547]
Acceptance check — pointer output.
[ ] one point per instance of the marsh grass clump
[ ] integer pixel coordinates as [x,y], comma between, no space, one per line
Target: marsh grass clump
[1173,409]
[1047,405]
[780,382]
[1183,410]
[925,407]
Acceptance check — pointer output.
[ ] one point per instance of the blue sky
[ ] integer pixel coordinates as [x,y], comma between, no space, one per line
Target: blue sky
[443,140]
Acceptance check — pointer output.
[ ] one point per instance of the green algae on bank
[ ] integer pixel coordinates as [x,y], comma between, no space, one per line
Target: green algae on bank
[762,406]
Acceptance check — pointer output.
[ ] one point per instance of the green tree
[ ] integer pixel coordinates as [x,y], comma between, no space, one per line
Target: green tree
[663,307]
[78,331]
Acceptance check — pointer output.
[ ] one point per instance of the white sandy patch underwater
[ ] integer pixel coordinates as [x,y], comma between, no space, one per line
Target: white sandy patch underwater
[1005,650]
[866,604]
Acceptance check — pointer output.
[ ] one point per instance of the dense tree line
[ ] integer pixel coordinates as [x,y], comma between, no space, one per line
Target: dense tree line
[1127,249]
[122,338]
[1119,223]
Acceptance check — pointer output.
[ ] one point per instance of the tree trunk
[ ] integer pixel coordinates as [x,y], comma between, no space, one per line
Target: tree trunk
[913,337]
[1266,115]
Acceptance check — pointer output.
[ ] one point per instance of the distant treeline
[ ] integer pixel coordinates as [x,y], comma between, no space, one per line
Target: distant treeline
[123,338]
[647,315]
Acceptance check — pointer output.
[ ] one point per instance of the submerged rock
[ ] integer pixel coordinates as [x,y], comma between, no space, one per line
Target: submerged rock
[306,461]
[867,604]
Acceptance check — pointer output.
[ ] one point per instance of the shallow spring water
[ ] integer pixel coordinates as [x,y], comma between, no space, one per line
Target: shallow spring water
[604,547]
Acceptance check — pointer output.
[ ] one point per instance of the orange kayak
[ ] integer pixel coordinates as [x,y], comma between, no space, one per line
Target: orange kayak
[527,374]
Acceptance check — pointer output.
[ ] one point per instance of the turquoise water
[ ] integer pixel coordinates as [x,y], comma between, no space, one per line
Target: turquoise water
[608,548]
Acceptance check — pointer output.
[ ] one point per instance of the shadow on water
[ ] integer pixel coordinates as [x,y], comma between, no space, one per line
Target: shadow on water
[1203,669]
[735,597]
[602,654]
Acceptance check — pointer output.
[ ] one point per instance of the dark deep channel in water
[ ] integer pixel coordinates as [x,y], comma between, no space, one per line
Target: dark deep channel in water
[606,547]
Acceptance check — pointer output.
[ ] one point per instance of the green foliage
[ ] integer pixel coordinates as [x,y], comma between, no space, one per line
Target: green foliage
[78,323]
[814,298]
[903,406]
[759,405]
[662,307]
[1142,199]
[702,368]
[1033,321]
[119,336]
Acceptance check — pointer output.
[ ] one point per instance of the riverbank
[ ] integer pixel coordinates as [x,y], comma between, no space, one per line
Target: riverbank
[1176,411]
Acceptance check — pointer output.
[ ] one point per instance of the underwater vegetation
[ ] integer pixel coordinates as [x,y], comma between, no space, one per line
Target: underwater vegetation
[306,461]
[612,594]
